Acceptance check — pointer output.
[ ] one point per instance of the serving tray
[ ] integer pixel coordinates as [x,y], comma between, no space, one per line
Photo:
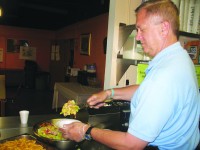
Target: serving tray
[28,137]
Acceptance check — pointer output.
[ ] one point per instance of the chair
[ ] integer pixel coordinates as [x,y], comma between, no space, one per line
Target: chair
[2,95]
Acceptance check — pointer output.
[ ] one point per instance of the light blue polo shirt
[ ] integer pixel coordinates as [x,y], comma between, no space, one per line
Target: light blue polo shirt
[165,108]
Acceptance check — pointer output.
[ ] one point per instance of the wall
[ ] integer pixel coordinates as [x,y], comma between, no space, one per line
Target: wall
[98,28]
[41,39]
[121,11]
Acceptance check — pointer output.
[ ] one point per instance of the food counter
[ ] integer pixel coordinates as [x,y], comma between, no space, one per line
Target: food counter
[64,91]
[11,126]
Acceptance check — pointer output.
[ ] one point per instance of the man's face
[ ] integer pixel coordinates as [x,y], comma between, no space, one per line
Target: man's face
[149,33]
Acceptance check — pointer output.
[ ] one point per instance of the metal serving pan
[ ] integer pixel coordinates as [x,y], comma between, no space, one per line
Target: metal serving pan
[59,144]
[28,137]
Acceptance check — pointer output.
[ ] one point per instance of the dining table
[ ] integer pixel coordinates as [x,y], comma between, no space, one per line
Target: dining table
[64,91]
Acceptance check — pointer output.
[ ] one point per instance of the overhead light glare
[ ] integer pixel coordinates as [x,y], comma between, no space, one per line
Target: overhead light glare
[1,12]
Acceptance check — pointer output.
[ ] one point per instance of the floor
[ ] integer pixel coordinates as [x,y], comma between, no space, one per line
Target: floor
[36,101]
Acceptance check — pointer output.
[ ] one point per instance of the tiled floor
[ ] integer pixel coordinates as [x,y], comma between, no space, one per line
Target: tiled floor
[36,101]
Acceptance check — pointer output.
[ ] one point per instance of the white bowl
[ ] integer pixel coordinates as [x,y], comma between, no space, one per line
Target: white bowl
[61,122]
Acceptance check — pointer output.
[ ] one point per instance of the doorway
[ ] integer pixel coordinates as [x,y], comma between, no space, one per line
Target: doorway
[63,58]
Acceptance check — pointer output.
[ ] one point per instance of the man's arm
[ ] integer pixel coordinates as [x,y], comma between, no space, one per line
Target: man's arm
[125,93]
[118,140]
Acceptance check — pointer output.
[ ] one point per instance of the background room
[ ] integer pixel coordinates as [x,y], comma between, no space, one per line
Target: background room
[54,34]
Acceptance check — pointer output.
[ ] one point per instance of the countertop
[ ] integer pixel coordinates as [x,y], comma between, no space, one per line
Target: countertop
[11,126]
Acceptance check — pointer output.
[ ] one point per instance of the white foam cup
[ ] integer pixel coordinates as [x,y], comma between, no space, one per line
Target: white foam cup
[24,116]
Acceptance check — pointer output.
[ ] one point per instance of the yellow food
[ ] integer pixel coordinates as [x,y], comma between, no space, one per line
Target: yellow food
[70,108]
[21,144]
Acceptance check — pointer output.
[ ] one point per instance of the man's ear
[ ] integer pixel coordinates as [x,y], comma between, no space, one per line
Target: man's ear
[165,28]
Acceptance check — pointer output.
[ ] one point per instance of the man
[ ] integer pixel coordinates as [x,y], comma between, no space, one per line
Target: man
[165,107]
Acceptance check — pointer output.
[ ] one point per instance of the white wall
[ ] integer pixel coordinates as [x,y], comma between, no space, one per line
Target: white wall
[121,11]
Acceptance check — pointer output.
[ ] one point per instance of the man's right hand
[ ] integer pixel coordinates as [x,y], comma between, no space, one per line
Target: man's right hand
[98,100]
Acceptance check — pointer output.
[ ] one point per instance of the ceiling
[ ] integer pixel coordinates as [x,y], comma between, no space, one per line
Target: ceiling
[49,14]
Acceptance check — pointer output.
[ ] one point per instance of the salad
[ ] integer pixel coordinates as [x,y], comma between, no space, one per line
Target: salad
[70,108]
[50,131]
